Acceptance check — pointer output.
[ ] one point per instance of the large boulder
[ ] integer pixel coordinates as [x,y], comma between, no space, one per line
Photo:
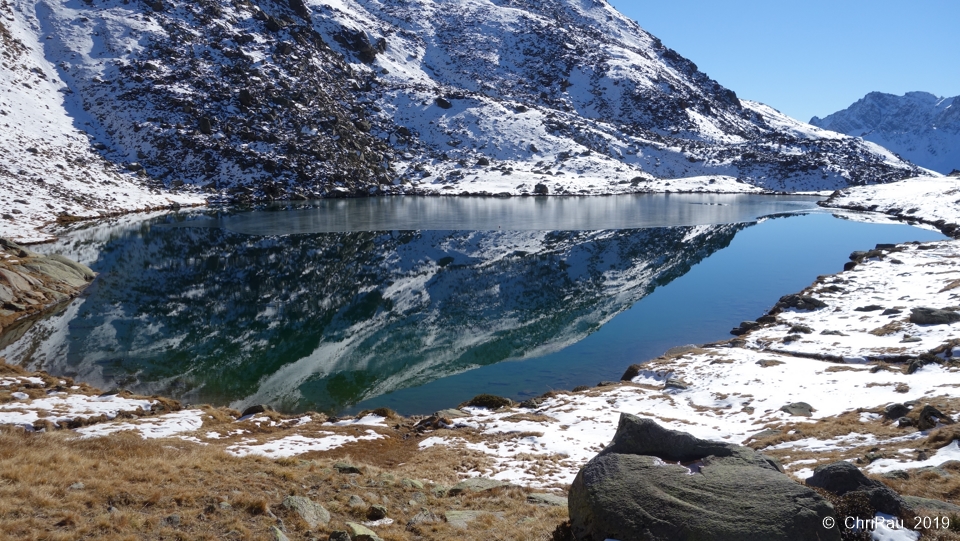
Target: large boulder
[652,483]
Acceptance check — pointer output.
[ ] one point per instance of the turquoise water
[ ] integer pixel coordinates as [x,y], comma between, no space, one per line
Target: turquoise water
[338,306]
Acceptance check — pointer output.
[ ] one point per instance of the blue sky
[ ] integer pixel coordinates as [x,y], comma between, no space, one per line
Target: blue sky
[813,57]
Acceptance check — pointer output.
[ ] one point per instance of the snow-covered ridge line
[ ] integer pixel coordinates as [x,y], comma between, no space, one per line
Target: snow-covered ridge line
[117,106]
[919,126]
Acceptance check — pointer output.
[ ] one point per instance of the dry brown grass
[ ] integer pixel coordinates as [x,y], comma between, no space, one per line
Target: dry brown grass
[864,450]
[172,489]
[55,485]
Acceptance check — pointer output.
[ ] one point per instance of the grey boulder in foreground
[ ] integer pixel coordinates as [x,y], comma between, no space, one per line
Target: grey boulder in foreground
[635,490]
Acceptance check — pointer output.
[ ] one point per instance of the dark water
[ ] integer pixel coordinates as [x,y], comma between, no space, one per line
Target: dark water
[222,308]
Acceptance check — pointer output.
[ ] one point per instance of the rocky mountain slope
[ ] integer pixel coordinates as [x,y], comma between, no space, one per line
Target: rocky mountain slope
[918,126]
[292,99]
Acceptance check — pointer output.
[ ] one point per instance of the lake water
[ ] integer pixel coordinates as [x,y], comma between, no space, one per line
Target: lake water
[421,303]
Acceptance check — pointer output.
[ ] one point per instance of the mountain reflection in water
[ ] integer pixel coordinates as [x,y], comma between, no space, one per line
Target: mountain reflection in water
[323,321]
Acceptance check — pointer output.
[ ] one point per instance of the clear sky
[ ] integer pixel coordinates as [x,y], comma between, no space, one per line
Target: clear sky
[813,57]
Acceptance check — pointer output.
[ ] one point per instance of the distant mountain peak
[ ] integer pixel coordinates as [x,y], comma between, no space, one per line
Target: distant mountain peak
[918,126]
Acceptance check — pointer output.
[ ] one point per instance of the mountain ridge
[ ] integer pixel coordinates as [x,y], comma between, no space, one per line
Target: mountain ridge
[919,126]
[233,100]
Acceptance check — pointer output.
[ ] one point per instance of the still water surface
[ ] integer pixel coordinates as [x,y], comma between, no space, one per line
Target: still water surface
[421,303]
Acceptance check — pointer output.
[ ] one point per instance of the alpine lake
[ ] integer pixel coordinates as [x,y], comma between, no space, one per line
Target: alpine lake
[420,303]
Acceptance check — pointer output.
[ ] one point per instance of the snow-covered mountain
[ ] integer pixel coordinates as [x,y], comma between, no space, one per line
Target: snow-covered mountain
[918,126]
[306,98]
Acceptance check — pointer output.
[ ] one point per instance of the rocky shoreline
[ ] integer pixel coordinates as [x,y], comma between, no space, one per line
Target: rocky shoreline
[34,283]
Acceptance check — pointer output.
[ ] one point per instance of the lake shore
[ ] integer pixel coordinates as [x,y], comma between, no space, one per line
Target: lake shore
[810,383]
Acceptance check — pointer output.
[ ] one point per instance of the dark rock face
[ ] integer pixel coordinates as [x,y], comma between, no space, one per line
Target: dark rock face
[842,478]
[634,490]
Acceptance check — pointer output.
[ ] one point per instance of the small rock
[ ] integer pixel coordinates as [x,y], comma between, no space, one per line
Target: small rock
[343,467]
[767,363]
[311,512]
[800,409]
[278,535]
[356,501]
[376,512]
[868,308]
[252,410]
[411,483]
[936,470]
[914,365]
[476,484]
[930,416]
[451,413]
[745,327]
[547,499]
[246,98]
[339,535]
[359,532]
[443,103]
[423,517]
[933,316]
[800,302]
[674,383]
[679,350]
[931,505]
[904,422]
[631,372]
[901,475]
[801,329]
[891,312]
[832,333]
[895,411]
[173,520]
[488,401]
[461,519]
[77,486]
